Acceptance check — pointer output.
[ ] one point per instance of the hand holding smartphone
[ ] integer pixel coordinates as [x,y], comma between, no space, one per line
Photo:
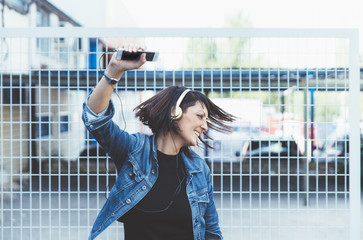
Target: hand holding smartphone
[122,54]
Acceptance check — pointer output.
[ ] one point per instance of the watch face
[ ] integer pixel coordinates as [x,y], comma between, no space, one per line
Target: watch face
[110,80]
[113,81]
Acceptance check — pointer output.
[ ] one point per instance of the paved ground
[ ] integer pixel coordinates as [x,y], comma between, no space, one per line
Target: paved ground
[68,214]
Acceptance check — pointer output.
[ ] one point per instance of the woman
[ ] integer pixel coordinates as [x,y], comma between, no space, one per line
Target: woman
[163,189]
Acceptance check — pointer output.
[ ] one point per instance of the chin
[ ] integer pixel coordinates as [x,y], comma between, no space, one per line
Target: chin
[194,143]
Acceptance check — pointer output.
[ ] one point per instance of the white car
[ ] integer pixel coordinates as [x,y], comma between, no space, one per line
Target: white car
[230,147]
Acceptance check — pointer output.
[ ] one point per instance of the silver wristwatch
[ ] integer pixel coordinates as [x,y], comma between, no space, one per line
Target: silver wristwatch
[111,81]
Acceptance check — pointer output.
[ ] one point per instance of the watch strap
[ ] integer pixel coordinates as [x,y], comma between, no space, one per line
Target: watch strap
[110,80]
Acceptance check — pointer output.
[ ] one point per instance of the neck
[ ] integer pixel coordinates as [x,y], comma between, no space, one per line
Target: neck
[168,143]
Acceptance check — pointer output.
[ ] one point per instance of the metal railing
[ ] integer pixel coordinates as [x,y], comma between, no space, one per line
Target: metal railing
[290,169]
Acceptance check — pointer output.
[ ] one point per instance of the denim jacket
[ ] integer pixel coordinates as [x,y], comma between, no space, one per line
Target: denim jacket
[137,170]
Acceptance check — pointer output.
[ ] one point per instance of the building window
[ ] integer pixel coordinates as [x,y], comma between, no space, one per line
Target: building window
[79,44]
[64,123]
[13,95]
[43,126]
[63,54]
[43,44]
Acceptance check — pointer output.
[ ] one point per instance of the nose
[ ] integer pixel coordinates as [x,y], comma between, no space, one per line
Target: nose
[204,126]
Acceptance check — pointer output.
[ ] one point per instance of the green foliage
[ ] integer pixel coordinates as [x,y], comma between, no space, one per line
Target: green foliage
[221,53]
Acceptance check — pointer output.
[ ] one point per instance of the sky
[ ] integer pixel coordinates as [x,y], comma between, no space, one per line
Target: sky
[206,13]
[213,14]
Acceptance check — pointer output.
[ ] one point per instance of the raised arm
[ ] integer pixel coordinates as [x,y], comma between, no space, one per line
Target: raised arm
[101,95]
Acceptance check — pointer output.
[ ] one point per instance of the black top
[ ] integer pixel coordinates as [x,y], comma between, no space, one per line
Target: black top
[165,212]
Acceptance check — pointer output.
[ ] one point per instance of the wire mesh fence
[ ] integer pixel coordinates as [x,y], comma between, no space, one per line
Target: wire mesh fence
[289,170]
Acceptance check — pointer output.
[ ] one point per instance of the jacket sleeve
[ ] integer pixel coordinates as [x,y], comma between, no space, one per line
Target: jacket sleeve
[115,141]
[212,230]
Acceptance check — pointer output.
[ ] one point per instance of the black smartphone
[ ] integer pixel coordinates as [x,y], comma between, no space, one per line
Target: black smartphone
[132,56]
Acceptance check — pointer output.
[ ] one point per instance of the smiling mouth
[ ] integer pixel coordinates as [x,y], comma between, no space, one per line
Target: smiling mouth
[196,133]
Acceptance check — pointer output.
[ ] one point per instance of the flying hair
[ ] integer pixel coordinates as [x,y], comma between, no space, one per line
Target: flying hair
[157,112]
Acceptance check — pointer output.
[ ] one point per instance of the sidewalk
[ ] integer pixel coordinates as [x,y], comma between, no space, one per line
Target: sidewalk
[70,216]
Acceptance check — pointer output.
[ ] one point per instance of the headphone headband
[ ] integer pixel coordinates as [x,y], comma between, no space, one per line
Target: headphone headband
[177,111]
[180,99]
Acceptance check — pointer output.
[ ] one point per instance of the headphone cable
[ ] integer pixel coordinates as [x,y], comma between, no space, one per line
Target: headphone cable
[122,115]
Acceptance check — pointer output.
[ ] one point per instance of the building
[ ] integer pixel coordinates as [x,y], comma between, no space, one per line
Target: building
[26,123]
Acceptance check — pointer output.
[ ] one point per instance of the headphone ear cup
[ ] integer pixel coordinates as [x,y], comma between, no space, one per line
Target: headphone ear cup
[177,113]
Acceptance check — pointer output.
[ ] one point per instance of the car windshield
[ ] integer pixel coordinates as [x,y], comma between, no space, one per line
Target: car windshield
[273,146]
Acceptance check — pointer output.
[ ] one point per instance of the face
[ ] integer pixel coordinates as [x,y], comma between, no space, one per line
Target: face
[192,124]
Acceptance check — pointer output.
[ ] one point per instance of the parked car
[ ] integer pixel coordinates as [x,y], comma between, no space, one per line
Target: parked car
[251,145]
[273,155]
[272,148]
[335,150]
[231,147]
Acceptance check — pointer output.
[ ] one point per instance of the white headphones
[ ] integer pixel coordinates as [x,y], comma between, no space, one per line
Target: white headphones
[177,112]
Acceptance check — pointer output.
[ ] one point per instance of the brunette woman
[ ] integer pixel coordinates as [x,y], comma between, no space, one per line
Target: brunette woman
[163,189]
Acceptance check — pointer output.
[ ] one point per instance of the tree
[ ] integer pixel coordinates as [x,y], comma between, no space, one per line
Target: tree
[225,53]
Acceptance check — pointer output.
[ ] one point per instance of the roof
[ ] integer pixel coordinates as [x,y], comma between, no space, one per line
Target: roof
[53,9]
[22,7]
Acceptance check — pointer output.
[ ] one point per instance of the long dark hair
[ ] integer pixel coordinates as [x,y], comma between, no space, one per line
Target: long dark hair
[156,112]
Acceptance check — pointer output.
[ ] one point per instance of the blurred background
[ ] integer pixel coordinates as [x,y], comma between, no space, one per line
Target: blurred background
[282,67]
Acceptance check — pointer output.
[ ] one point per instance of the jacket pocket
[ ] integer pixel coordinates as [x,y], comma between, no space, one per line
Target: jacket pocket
[203,201]
[129,176]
